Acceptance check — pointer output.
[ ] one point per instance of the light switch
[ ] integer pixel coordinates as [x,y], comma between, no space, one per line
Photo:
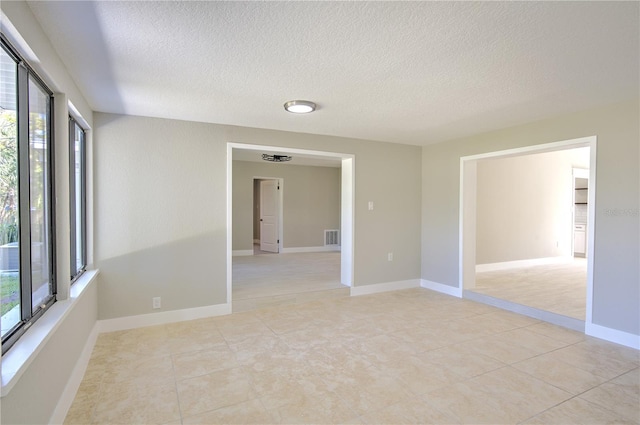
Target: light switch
[370,205]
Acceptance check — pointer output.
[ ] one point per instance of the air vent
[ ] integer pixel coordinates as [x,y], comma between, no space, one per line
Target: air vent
[331,237]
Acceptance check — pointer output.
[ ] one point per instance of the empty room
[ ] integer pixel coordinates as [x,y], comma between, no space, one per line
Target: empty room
[527,210]
[299,212]
[299,194]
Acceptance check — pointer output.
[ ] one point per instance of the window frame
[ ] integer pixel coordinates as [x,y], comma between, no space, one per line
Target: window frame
[76,271]
[28,315]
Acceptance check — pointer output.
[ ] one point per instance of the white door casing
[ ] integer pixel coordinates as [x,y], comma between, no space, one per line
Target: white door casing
[467,212]
[269,216]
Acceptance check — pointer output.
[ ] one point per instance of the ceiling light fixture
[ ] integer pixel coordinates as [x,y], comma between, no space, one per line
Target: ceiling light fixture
[299,106]
[276,158]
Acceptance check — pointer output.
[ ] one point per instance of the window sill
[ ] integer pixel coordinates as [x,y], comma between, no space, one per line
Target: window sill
[17,360]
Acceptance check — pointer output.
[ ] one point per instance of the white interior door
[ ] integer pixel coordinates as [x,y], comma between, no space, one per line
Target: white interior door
[269,215]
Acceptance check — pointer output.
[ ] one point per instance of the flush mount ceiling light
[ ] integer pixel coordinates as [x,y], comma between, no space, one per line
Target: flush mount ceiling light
[276,158]
[299,106]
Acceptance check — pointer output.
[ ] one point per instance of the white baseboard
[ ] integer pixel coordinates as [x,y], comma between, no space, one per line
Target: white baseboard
[242,252]
[546,316]
[326,248]
[152,319]
[441,287]
[489,267]
[71,389]
[384,287]
[613,335]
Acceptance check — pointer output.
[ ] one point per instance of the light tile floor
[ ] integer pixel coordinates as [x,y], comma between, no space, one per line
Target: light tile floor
[270,280]
[412,356]
[559,287]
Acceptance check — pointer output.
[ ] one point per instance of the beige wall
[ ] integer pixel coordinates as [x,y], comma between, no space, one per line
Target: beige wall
[311,202]
[524,205]
[160,221]
[616,300]
[161,215]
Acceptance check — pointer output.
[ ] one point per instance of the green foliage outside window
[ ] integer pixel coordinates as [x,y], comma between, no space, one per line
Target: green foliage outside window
[8,178]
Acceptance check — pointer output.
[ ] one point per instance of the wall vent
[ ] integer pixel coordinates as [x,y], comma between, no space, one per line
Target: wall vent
[331,237]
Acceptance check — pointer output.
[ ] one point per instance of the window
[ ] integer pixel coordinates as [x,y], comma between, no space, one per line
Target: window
[27,255]
[77,198]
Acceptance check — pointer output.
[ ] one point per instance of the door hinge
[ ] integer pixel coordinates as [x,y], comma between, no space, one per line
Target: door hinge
[278,241]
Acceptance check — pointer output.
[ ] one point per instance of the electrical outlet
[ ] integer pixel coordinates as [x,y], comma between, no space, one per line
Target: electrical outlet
[390,256]
[156,302]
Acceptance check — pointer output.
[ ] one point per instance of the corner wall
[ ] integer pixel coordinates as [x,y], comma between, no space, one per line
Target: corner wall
[524,205]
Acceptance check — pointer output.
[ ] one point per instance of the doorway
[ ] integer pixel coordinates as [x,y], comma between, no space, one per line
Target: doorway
[347,192]
[267,215]
[469,229]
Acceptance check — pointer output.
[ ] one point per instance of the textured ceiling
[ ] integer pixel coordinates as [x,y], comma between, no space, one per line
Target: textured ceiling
[405,72]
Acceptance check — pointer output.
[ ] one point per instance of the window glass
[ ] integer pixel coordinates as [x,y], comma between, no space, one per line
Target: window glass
[41,288]
[77,198]
[79,171]
[9,217]
[27,242]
